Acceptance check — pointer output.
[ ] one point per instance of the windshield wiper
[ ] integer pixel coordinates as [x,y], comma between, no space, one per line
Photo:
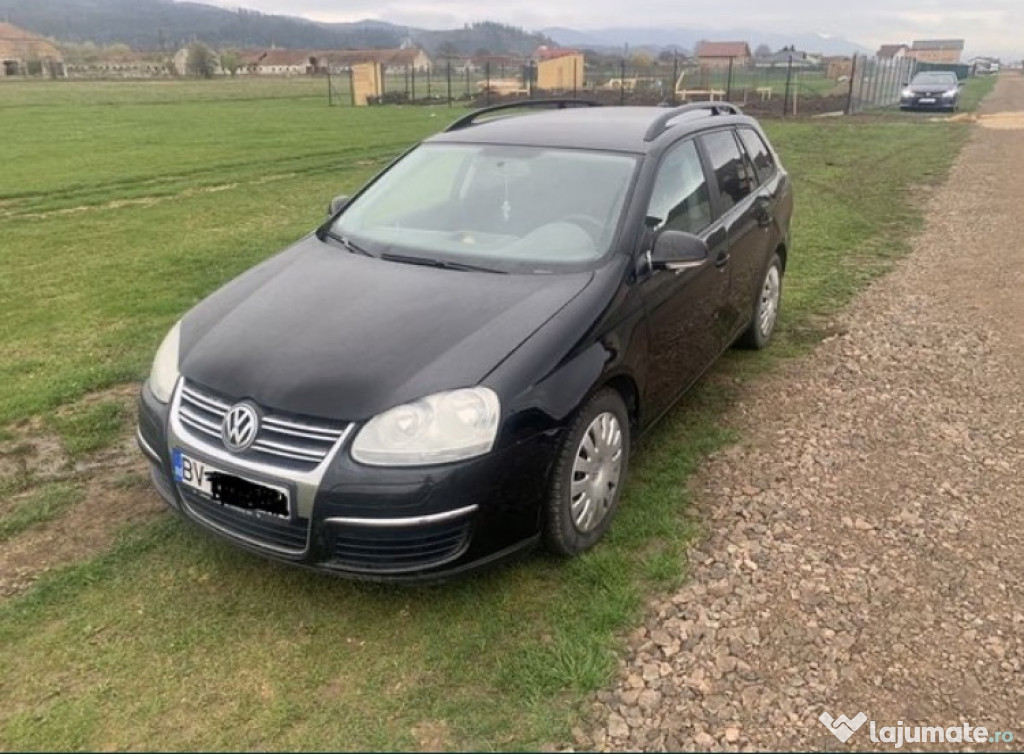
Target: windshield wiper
[347,242]
[440,263]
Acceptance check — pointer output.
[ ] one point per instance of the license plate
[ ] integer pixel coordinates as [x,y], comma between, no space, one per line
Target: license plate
[229,489]
[927,100]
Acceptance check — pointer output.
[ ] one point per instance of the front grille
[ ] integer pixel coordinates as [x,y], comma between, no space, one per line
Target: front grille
[266,531]
[370,549]
[284,440]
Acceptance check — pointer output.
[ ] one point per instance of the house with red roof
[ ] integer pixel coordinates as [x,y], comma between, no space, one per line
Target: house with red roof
[723,54]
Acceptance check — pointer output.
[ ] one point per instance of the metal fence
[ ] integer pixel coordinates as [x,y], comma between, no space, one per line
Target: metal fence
[876,82]
[443,83]
[791,87]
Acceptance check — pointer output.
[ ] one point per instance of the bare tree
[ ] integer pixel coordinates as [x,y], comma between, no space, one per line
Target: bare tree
[201,62]
[231,61]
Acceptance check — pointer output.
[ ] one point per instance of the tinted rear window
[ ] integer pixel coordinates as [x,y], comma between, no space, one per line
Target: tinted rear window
[759,154]
[727,164]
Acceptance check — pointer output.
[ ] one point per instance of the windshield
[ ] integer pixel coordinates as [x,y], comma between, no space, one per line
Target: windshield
[938,79]
[505,207]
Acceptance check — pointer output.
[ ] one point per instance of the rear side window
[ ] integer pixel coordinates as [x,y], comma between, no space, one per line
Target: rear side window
[759,154]
[728,166]
[680,200]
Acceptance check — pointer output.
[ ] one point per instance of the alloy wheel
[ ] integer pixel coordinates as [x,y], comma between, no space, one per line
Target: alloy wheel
[769,309]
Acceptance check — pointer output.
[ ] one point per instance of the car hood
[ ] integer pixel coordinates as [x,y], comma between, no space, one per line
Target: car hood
[320,331]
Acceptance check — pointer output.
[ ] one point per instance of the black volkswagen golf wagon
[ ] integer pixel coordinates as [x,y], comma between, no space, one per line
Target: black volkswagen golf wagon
[456,364]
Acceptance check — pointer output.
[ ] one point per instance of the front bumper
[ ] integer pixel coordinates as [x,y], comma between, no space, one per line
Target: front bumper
[928,103]
[364,522]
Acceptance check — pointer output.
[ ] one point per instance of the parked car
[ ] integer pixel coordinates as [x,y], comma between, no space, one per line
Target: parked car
[931,90]
[456,365]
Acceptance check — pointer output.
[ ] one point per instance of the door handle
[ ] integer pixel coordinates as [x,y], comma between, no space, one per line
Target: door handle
[722,260]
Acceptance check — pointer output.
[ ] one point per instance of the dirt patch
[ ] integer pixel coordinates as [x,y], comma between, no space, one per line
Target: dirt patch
[86,529]
[1008,121]
[432,736]
[1003,121]
[117,494]
[36,453]
[31,456]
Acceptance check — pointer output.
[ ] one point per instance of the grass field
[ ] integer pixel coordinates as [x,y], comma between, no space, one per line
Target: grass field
[120,207]
[975,90]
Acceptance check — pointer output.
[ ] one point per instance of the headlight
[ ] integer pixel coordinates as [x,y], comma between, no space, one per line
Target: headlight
[950,94]
[164,374]
[907,93]
[440,428]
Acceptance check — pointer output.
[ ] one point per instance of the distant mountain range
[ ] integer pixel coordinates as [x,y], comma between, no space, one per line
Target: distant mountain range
[167,25]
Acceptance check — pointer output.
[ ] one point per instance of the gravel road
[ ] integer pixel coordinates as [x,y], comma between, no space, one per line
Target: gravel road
[863,548]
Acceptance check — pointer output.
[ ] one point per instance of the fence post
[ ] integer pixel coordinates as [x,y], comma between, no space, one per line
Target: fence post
[876,95]
[895,83]
[849,93]
[574,73]
[412,80]
[886,82]
[789,80]
[487,79]
[728,81]
[449,82]
[330,98]
[883,94]
[869,70]
[622,81]
[872,71]
[675,76]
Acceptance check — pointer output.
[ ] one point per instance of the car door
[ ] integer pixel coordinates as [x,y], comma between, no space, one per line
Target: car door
[682,307]
[742,214]
[767,210]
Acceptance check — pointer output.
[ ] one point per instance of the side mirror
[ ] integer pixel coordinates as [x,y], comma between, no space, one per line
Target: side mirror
[678,251]
[337,205]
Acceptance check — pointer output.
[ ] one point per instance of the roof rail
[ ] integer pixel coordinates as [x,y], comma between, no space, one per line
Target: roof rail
[559,104]
[660,124]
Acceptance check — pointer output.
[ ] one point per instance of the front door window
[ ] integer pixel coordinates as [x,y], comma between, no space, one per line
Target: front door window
[680,200]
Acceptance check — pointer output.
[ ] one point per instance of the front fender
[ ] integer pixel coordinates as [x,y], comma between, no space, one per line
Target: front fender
[600,336]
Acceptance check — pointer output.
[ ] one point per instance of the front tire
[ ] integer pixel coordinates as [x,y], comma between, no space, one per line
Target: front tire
[766,311]
[589,473]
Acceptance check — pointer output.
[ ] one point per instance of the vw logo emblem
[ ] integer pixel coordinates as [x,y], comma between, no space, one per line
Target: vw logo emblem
[240,427]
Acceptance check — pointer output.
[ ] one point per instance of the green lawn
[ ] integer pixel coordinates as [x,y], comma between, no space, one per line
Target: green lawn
[119,209]
[975,90]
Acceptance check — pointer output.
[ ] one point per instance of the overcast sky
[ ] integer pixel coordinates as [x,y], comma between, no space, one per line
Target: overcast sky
[995,26]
